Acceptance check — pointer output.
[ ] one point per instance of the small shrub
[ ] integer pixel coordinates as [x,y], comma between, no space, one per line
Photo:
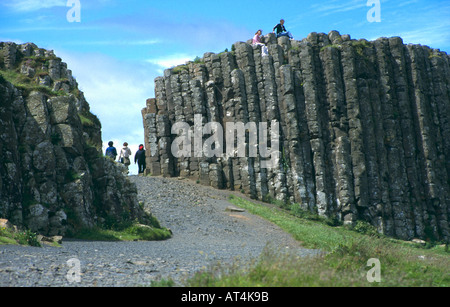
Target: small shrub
[279,203]
[85,120]
[297,211]
[30,238]
[124,232]
[360,46]
[179,69]
[365,228]
[198,60]
[26,237]
[147,233]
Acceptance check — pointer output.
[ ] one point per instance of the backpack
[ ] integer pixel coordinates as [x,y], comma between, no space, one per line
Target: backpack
[126,152]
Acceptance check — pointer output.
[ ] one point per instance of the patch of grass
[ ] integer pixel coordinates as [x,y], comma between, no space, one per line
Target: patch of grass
[312,234]
[198,60]
[71,176]
[223,52]
[134,232]
[360,45]
[163,283]
[126,230]
[335,46]
[179,69]
[88,119]
[85,121]
[27,237]
[297,211]
[27,85]
[343,261]
[434,54]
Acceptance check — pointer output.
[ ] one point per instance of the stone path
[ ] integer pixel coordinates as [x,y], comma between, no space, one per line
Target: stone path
[204,232]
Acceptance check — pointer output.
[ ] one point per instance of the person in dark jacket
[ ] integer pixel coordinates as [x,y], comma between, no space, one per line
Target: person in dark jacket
[139,157]
[281,30]
[111,151]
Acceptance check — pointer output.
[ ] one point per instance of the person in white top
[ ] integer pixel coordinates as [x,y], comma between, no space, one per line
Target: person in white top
[125,154]
[257,41]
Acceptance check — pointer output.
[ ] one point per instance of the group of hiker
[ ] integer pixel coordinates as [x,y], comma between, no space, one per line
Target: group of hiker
[139,157]
[279,30]
[125,155]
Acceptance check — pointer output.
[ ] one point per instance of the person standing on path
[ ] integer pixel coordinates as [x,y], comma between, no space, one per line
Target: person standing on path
[124,155]
[111,151]
[139,157]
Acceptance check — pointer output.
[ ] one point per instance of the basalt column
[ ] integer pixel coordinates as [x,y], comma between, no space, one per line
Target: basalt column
[364,128]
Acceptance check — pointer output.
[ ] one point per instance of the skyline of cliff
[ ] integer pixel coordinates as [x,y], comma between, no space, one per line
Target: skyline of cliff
[118,48]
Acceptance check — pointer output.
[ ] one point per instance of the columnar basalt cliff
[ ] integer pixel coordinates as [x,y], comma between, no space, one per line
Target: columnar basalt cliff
[365,127]
[53,177]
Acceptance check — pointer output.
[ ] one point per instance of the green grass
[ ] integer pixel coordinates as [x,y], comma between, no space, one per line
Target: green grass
[88,119]
[179,69]
[10,237]
[335,46]
[27,85]
[85,121]
[343,261]
[312,234]
[133,232]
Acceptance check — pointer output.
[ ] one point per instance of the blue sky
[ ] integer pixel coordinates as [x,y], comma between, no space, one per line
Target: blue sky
[119,47]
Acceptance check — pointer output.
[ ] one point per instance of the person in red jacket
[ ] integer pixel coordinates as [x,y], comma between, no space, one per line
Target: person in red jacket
[139,157]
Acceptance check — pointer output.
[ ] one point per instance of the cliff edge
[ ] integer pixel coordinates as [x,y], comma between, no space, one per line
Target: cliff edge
[54,179]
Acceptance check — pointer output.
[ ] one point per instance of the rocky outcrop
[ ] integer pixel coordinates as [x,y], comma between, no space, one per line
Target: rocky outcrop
[364,127]
[54,179]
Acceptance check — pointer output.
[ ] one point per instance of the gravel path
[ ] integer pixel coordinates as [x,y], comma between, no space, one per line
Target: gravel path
[204,232]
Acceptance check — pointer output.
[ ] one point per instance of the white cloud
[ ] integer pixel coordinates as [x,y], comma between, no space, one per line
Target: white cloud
[17,41]
[427,26]
[116,92]
[170,61]
[406,3]
[334,6]
[34,5]
[117,42]
[433,36]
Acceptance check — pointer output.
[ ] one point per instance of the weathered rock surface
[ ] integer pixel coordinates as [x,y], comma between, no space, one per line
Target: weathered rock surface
[54,179]
[365,127]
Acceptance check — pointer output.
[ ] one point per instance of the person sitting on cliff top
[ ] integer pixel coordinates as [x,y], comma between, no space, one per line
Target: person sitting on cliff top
[257,41]
[281,30]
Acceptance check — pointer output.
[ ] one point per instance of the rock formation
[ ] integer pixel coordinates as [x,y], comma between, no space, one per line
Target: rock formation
[54,179]
[364,127]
